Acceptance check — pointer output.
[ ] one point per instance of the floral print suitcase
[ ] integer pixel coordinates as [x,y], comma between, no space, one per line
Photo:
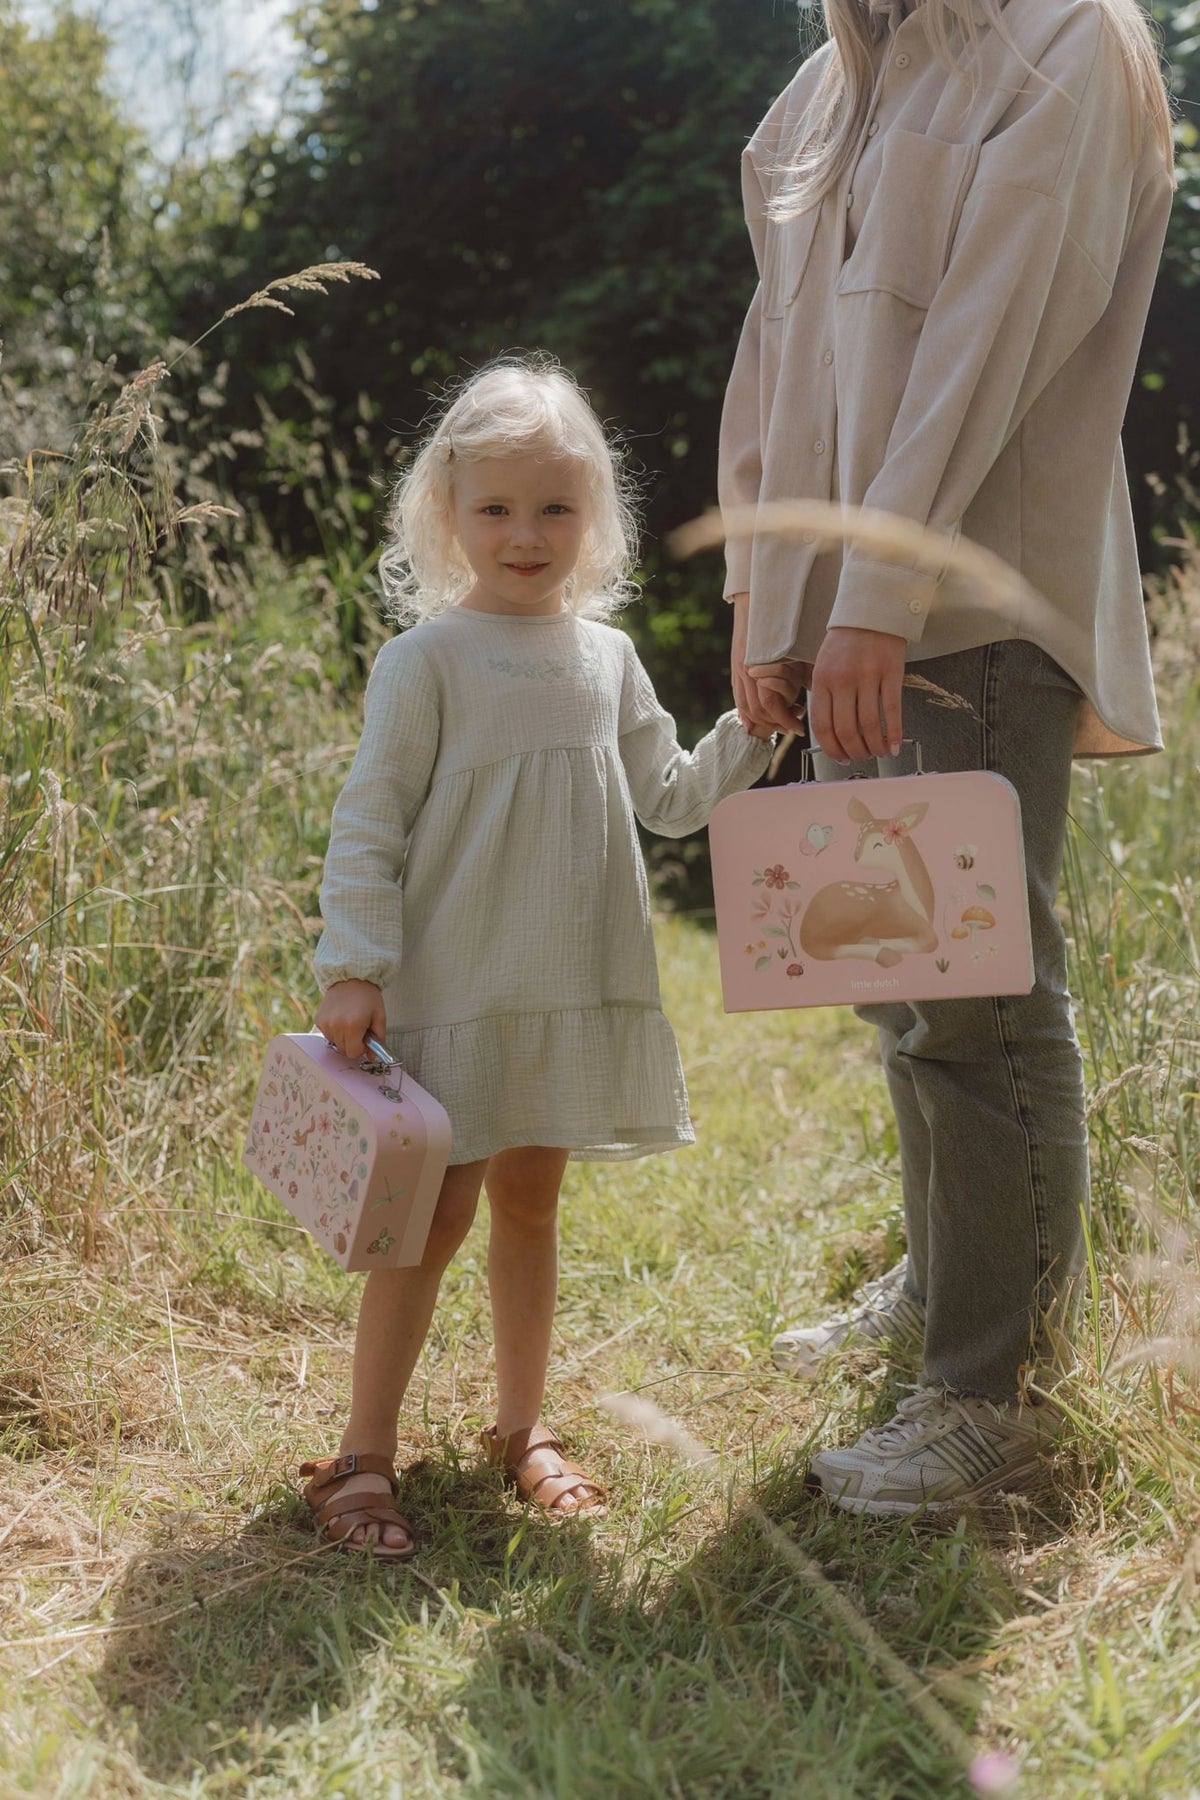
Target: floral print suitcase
[907,887]
[356,1151]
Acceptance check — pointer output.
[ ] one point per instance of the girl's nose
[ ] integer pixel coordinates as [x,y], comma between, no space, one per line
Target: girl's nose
[526,531]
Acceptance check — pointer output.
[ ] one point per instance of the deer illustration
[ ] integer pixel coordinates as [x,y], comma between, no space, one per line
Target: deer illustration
[880,921]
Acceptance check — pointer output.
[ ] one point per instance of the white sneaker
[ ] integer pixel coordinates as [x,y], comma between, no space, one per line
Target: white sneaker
[880,1313]
[940,1451]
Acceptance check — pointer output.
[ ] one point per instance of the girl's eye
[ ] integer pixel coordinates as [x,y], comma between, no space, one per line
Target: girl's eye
[557,507]
[493,510]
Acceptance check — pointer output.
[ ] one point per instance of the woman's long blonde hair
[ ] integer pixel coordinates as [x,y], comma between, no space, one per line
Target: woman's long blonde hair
[843,98]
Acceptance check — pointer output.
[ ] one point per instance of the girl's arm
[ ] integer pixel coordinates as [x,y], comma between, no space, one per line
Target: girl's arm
[373,821]
[674,790]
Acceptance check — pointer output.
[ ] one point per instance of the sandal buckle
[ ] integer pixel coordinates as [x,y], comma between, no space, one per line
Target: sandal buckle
[344,1465]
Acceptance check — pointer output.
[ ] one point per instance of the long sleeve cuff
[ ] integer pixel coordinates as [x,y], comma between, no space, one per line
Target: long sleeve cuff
[877,596]
[738,552]
[360,969]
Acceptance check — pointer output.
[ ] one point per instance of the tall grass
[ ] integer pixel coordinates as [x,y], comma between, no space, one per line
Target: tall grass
[164,786]
[170,1344]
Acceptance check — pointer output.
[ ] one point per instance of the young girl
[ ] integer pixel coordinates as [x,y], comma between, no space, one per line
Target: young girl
[485,902]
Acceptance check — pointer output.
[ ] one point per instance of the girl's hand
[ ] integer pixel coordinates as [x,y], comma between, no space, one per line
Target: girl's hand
[858,681]
[348,1011]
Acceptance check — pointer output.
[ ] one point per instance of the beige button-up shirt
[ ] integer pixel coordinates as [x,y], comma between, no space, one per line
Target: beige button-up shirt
[951,336]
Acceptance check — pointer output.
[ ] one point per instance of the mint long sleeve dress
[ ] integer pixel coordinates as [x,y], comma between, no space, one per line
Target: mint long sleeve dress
[484,871]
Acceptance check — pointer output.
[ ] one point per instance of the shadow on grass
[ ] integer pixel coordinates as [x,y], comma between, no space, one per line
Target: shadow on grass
[728,1677]
[218,1648]
[581,1662]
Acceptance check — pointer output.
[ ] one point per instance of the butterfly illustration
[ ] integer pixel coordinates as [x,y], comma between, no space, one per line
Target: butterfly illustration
[816,839]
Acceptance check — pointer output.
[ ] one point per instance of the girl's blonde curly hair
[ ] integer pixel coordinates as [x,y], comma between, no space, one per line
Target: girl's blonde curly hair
[517,406]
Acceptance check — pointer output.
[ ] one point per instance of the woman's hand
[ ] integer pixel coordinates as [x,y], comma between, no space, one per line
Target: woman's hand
[857,685]
[765,695]
[348,1011]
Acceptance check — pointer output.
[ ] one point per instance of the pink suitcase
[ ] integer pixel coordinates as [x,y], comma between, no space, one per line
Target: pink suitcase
[908,887]
[356,1151]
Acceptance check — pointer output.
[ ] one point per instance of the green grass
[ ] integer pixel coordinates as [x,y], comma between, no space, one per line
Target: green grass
[173,1631]
[171,1345]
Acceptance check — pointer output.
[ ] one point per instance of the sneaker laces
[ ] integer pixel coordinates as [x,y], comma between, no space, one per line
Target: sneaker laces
[865,1300]
[915,1413]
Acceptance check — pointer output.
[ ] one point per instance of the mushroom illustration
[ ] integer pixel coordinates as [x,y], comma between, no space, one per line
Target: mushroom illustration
[976,918]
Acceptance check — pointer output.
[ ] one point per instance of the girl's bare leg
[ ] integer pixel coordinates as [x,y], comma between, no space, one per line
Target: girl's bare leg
[393,1322]
[522,1190]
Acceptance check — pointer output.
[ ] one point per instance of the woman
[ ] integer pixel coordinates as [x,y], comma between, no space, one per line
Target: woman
[957,209]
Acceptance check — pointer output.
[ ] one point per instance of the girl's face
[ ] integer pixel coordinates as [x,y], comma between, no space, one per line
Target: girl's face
[520,521]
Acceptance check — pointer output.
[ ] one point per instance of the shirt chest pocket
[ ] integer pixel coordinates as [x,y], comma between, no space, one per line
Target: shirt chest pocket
[907,231]
[785,259]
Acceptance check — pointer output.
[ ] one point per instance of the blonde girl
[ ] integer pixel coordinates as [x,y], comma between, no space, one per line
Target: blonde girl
[485,901]
[957,209]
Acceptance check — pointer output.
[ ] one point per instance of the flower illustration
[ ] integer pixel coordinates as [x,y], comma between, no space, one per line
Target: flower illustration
[761,908]
[293,1190]
[794,969]
[778,877]
[274,1171]
[895,831]
[749,949]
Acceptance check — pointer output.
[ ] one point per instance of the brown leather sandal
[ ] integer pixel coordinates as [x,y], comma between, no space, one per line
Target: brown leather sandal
[338,1515]
[535,1464]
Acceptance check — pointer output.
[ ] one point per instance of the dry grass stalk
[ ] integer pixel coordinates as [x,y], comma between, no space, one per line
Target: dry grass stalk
[931,554]
[658,1427]
[313,280]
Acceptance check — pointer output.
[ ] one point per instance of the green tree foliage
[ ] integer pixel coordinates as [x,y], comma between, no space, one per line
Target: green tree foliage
[529,173]
[69,193]
[1162,427]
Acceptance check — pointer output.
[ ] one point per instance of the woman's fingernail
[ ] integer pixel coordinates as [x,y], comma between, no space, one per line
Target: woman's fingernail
[894,749]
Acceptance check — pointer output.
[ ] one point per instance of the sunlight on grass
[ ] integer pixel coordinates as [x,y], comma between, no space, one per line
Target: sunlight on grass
[173,1344]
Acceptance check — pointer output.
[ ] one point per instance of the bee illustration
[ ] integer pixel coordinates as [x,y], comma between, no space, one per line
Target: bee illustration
[964,856]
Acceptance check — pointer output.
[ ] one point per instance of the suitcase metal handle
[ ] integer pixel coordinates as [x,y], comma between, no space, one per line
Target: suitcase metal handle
[380,1061]
[806,762]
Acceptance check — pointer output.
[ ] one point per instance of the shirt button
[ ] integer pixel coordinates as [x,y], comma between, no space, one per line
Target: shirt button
[827,358]
[873,127]
[916,606]
[903,60]
[819,446]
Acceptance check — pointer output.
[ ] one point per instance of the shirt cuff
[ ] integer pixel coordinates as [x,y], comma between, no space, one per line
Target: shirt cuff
[329,974]
[877,596]
[737,566]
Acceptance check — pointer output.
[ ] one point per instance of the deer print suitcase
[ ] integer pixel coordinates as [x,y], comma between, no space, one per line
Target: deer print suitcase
[907,887]
[356,1151]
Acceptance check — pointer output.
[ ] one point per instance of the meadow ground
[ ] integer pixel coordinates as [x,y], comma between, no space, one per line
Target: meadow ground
[171,1346]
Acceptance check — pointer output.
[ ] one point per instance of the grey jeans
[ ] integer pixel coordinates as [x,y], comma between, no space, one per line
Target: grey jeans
[988,1093]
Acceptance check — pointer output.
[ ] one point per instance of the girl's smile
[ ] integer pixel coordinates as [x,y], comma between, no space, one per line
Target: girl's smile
[520,521]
